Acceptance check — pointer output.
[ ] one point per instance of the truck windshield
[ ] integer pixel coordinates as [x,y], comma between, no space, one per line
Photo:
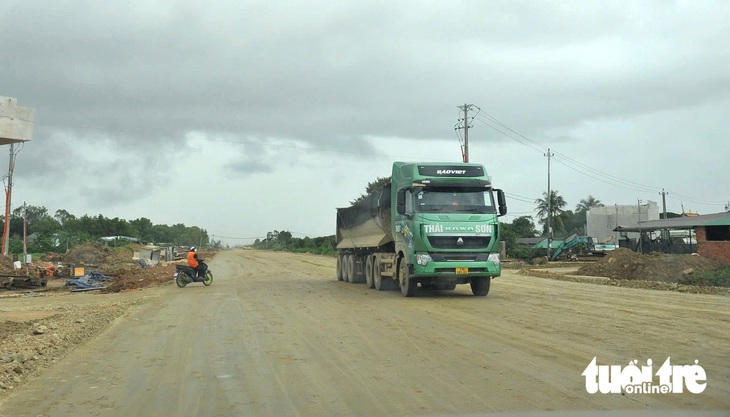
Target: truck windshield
[454,200]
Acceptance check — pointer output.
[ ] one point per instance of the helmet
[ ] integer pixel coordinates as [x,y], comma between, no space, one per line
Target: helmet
[193,248]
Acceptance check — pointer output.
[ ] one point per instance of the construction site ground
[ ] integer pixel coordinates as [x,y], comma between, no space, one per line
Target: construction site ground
[277,334]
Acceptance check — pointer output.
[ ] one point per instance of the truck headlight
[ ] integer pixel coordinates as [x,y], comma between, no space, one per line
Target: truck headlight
[423,259]
[494,257]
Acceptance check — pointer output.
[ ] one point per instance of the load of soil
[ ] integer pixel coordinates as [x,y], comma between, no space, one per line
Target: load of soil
[624,263]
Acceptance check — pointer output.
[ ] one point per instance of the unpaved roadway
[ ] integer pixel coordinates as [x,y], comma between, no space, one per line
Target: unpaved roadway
[277,335]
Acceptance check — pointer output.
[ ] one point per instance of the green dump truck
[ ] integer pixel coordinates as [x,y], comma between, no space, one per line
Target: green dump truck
[434,224]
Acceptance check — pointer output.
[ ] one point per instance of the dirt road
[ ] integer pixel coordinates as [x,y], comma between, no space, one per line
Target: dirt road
[277,335]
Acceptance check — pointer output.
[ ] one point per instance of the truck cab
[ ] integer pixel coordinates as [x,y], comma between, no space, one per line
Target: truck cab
[445,226]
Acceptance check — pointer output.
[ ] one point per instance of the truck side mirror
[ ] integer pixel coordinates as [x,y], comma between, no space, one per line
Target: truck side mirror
[501,202]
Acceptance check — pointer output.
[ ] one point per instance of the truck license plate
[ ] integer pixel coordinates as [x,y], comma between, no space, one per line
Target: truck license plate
[462,271]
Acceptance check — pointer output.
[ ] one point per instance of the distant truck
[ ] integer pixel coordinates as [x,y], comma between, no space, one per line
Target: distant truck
[434,224]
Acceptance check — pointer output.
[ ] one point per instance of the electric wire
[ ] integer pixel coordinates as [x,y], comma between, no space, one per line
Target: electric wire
[582,168]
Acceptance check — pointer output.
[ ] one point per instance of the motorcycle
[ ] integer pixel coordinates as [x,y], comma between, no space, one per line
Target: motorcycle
[185,275]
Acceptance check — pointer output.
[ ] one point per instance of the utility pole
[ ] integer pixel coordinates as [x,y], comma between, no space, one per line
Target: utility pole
[616,208]
[665,232]
[16,127]
[465,151]
[25,230]
[638,206]
[664,202]
[8,193]
[549,206]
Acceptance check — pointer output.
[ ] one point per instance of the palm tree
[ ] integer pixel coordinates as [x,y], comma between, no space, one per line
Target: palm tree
[588,203]
[555,210]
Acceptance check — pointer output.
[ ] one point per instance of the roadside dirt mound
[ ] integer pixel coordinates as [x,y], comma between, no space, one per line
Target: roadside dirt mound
[6,265]
[135,279]
[89,253]
[624,263]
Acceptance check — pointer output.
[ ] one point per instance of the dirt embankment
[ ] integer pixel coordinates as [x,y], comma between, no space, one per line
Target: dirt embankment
[625,268]
[626,264]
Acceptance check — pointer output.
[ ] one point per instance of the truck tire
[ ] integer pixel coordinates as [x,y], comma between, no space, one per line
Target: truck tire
[350,268]
[407,283]
[378,281]
[480,286]
[357,277]
[369,272]
[339,267]
[345,258]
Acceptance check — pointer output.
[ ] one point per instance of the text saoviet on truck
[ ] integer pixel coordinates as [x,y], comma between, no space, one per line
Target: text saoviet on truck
[434,224]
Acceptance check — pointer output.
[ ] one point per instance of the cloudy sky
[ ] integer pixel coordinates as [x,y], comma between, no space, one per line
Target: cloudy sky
[243,116]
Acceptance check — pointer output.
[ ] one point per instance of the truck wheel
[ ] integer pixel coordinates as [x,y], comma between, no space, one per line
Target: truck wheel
[357,277]
[369,272]
[407,283]
[350,276]
[345,259]
[480,286]
[339,267]
[378,282]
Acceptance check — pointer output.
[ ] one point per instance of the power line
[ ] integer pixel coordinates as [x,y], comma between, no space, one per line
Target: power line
[568,162]
[520,198]
[528,143]
[582,168]
[680,197]
[539,145]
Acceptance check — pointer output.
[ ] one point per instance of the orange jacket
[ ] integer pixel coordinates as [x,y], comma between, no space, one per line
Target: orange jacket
[192,259]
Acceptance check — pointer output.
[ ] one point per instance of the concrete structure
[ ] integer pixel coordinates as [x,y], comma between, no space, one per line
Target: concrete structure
[601,221]
[16,123]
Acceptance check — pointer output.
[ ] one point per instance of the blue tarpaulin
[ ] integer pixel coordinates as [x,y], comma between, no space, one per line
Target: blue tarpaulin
[91,281]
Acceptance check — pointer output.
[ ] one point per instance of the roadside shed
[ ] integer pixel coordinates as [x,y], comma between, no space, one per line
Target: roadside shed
[708,235]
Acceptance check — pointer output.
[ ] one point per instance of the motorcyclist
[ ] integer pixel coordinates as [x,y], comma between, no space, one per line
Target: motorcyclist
[196,263]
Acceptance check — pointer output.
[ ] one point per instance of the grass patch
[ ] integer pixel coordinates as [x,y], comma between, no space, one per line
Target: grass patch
[717,278]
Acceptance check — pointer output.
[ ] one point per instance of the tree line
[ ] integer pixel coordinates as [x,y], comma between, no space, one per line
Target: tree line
[284,241]
[63,230]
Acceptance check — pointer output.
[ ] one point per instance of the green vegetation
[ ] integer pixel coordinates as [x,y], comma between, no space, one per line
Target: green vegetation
[283,241]
[63,231]
[372,187]
[717,278]
[520,227]
[551,207]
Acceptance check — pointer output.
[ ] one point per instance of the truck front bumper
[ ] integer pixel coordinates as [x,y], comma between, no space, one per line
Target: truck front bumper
[424,265]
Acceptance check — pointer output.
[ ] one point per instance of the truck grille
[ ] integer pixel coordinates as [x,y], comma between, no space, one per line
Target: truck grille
[459,256]
[459,242]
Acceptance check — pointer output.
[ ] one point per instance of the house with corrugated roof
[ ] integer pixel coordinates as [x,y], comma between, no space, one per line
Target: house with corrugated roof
[709,235]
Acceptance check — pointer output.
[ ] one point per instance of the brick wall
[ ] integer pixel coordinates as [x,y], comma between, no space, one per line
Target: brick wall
[717,250]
